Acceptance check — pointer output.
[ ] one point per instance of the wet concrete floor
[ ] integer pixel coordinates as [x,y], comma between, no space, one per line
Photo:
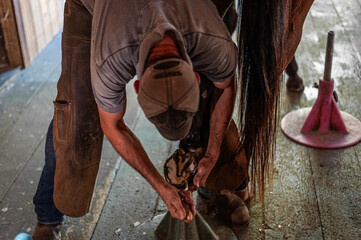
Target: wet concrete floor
[315,194]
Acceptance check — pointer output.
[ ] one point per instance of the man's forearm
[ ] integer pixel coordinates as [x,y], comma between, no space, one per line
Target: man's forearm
[219,121]
[131,150]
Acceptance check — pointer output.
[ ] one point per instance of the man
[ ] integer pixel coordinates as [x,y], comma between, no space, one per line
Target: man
[164,44]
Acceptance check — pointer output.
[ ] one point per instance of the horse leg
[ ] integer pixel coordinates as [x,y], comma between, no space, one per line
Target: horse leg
[230,19]
[294,82]
[222,6]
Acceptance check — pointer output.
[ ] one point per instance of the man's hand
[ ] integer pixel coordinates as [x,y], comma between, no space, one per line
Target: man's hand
[187,198]
[172,198]
[205,167]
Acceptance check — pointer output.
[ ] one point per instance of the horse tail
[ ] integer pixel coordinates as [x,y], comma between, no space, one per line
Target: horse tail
[269,32]
[259,86]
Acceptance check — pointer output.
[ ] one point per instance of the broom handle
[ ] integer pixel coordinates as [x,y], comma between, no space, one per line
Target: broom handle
[329,55]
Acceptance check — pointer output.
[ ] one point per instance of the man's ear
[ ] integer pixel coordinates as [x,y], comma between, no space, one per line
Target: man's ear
[136,86]
[198,78]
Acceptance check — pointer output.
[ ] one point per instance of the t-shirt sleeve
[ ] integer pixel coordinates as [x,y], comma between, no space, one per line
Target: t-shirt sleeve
[214,57]
[109,83]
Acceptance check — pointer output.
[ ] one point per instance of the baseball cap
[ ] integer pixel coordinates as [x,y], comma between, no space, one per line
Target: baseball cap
[169,96]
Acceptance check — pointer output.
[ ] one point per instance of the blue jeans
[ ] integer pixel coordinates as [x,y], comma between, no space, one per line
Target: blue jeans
[45,208]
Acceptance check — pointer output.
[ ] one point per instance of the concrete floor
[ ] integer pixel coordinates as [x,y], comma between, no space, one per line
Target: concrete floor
[315,194]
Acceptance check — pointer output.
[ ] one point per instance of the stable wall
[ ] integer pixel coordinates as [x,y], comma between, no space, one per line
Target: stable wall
[28,26]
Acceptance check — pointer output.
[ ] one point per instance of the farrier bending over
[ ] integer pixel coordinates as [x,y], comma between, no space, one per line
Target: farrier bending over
[183,105]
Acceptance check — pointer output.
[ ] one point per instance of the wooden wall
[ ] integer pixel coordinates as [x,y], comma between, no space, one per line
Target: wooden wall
[37,21]
[11,47]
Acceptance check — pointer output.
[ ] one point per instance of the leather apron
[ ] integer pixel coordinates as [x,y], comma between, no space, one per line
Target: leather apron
[77,135]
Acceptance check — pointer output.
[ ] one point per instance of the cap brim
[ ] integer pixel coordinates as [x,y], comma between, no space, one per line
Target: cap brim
[176,134]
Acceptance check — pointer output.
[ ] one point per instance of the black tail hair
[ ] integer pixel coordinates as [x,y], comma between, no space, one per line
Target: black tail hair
[259,87]
[269,32]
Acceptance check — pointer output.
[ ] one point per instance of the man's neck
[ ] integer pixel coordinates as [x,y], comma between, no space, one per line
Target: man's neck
[165,48]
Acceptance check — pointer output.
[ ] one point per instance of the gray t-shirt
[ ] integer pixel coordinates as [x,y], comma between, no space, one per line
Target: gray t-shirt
[124,31]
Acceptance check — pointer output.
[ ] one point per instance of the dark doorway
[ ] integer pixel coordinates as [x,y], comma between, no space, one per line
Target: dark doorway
[4,60]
